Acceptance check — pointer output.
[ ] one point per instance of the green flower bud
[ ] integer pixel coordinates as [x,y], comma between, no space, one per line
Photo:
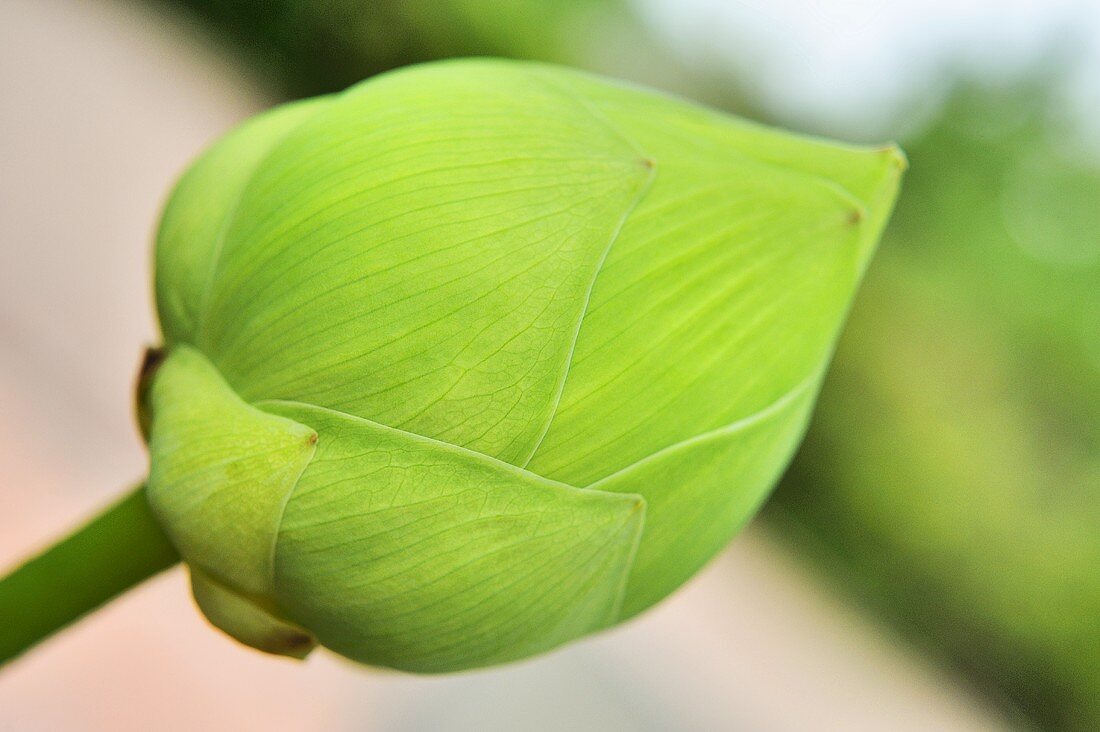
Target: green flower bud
[480,357]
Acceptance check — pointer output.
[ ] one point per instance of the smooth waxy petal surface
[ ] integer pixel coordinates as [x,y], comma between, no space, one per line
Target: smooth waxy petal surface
[727,285]
[202,205]
[425,265]
[402,551]
[699,492]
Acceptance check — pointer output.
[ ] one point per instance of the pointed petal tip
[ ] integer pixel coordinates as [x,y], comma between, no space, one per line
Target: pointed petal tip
[295,645]
[897,157]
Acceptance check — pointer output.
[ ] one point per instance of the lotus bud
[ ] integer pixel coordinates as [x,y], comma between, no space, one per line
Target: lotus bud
[480,357]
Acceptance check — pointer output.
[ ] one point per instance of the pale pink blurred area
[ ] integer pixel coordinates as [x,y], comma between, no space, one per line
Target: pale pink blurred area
[103,104]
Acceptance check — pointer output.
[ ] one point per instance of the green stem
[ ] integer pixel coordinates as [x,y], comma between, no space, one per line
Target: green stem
[116,550]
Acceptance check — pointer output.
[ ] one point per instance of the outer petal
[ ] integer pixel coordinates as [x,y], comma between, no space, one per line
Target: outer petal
[726,287]
[701,491]
[420,254]
[200,208]
[401,551]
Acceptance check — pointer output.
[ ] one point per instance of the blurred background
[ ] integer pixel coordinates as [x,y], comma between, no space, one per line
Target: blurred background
[931,560]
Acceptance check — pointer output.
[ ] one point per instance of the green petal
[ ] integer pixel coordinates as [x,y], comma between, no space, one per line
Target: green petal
[200,208]
[247,620]
[421,253]
[701,491]
[401,551]
[220,471]
[725,289]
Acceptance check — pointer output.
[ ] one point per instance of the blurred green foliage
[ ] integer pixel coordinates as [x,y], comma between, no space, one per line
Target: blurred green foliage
[952,474]
[307,48]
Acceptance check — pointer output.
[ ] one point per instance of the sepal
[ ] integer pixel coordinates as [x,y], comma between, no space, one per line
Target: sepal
[220,471]
[248,619]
